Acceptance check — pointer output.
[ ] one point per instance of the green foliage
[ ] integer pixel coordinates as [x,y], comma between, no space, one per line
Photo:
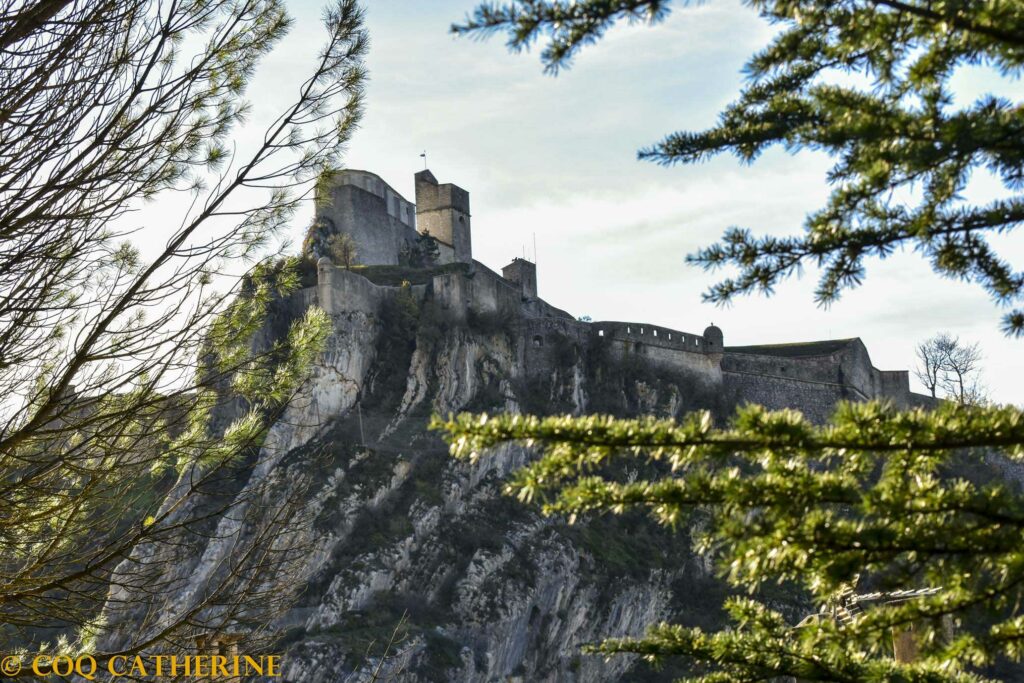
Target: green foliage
[424,252]
[121,367]
[386,380]
[443,653]
[869,496]
[627,546]
[569,24]
[905,150]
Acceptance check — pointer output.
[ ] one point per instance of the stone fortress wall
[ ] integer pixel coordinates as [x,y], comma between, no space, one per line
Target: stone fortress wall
[362,205]
[810,376]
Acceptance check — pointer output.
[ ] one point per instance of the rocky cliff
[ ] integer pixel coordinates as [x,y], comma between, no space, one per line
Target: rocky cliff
[395,532]
[392,526]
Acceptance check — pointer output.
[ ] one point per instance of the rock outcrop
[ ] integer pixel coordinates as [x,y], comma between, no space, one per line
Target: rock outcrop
[394,532]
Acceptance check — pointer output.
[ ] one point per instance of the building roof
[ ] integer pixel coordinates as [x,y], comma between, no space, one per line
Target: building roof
[795,350]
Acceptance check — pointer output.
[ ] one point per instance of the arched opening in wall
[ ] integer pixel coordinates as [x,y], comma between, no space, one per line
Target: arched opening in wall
[600,333]
[655,333]
[538,341]
[639,348]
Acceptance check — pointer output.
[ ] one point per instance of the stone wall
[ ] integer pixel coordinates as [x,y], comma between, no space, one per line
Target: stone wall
[816,400]
[663,346]
[827,370]
[523,273]
[339,289]
[363,206]
[649,335]
[483,291]
[807,376]
[812,377]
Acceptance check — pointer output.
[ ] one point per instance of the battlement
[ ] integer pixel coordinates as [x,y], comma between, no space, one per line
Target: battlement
[646,334]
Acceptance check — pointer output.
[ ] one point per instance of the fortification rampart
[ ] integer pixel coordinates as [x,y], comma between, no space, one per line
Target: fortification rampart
[378,219]
[482,291]
[651,336]
[813,376]
[342,291]
[838,370]
[807,376]
[395,204]
[662,346]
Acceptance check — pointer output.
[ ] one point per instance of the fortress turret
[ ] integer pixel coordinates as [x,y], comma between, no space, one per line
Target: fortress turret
[524,273]
[714,340]
[443,211]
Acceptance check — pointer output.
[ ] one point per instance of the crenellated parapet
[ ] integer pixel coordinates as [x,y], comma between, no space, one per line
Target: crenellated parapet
[690,353]
[655,336]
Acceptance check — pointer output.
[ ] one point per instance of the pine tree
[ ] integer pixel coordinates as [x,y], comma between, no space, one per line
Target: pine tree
[132,385]
[874,495]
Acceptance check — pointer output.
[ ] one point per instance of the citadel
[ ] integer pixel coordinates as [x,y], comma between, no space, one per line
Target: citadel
[385,227]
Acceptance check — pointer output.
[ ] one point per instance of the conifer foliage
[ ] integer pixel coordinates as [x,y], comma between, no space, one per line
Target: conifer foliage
[878,497]
[904,149]
[869,496]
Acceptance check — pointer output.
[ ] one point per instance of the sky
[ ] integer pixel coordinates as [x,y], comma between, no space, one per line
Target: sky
[552,160]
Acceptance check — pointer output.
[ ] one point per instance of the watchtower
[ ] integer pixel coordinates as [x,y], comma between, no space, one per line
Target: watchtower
[443,211]
[524,273]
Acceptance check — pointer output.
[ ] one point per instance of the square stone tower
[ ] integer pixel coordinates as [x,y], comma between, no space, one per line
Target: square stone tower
[443,211]
[524,273]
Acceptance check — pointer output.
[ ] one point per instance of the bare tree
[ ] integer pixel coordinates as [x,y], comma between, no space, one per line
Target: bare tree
[130,391]
[342,249]
[951,369]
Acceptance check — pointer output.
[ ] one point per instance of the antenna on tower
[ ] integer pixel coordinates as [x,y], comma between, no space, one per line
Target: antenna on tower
[424,155]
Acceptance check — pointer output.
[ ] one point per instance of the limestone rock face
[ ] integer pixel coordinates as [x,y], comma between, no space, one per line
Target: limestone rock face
[393,527]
